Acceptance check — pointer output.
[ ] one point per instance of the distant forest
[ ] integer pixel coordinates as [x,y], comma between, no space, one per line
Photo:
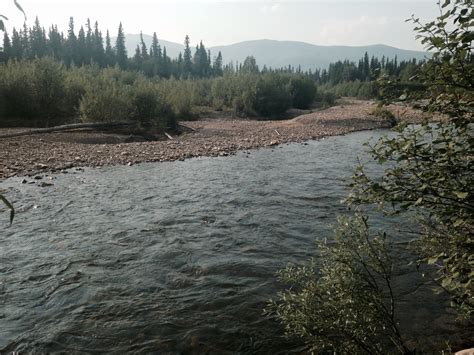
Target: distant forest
[88,47]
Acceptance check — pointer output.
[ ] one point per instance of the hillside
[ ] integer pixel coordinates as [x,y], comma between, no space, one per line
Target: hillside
[278,54]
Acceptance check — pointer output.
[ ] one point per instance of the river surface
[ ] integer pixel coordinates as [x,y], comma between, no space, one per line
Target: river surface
[175,257]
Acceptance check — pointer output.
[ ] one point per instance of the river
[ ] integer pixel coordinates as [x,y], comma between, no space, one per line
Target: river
[176,257]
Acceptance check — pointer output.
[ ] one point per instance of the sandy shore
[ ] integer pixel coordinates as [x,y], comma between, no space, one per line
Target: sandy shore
[56,152]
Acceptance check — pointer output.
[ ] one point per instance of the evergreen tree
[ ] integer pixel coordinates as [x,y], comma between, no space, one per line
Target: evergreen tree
[120,49]
[217,67]
[81,48]
[109,51]
[98,54]
[37,40]
[187,62]
[25,41]
[71,44]
[144,51]
[17,48]
[155,50]
[137,58]
[7,48]
[54,43]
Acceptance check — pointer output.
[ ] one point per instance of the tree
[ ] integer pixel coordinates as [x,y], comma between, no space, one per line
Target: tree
[109,51]
[250,66]
[429,173]
[187,62]
[143,49]
[345,303]
[120,49]
[432,164]
[217,66]
[7,48]
[155,50]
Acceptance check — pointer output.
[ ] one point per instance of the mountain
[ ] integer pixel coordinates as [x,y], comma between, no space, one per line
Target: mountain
[277,54]
[132,40]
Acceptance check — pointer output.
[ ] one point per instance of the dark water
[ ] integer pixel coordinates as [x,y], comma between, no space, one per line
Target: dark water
[173,257]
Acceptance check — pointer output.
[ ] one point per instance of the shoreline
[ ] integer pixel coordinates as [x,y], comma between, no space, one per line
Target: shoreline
[58,152]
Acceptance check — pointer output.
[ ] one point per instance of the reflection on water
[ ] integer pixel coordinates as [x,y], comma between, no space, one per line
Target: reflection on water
[169,257]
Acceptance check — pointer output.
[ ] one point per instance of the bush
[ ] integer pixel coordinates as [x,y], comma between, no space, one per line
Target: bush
[107,99]
[303,91]
[344,304]
[33,93]
[272,95]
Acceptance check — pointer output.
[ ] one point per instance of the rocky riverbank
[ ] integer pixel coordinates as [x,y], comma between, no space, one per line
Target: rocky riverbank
[58,152]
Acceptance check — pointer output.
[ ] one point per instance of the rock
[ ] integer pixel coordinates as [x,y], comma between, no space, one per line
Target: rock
[38,177]
[45,184]
[24,181]
[41,166]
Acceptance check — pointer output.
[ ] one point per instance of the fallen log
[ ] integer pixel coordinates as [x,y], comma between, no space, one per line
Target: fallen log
[187,127]
[70,127]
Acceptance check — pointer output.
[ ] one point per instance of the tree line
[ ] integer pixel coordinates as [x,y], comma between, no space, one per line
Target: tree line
[88,46]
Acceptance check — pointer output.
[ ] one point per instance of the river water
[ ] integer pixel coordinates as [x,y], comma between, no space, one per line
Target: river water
[175,257]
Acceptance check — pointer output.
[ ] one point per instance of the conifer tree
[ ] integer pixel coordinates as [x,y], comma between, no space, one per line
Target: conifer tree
[7,46]
[98,53]
[71,44]
[120,49]
[109,51]
[155,50]
[37,40]
[55,43]
[217,67]
[143,50]
[187,62]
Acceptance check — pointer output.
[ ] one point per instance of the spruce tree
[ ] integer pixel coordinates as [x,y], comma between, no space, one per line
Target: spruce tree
[37,40]
[7,46]
[109,51]
[71,44]
[144,51]
[155,50]
[55,43]
[98,46]
[120,49]
[187,61]
[217,67]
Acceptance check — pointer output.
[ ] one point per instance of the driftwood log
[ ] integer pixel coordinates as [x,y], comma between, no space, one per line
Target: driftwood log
[80,126]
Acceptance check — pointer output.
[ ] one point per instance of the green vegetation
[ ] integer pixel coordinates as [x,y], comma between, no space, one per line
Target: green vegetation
[345,303]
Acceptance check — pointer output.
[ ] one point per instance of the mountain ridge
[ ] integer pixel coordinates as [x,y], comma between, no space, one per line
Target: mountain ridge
[281,53]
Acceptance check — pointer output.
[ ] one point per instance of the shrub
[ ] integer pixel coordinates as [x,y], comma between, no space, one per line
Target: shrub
[272,95]
[107,99]
[303,91]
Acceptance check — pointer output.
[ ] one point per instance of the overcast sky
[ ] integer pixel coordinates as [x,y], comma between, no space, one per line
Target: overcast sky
[336,22]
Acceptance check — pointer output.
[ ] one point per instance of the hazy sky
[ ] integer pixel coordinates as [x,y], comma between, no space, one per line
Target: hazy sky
[336,22]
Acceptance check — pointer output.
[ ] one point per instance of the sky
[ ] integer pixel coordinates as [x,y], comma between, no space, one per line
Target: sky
[221,22]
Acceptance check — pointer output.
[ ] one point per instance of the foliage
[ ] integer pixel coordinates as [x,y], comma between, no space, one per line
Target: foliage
[385,114]
[272,95]
[303,91]
[430,167]
[344,303]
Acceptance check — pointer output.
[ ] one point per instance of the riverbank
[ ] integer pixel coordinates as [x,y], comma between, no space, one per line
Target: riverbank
[57,152]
